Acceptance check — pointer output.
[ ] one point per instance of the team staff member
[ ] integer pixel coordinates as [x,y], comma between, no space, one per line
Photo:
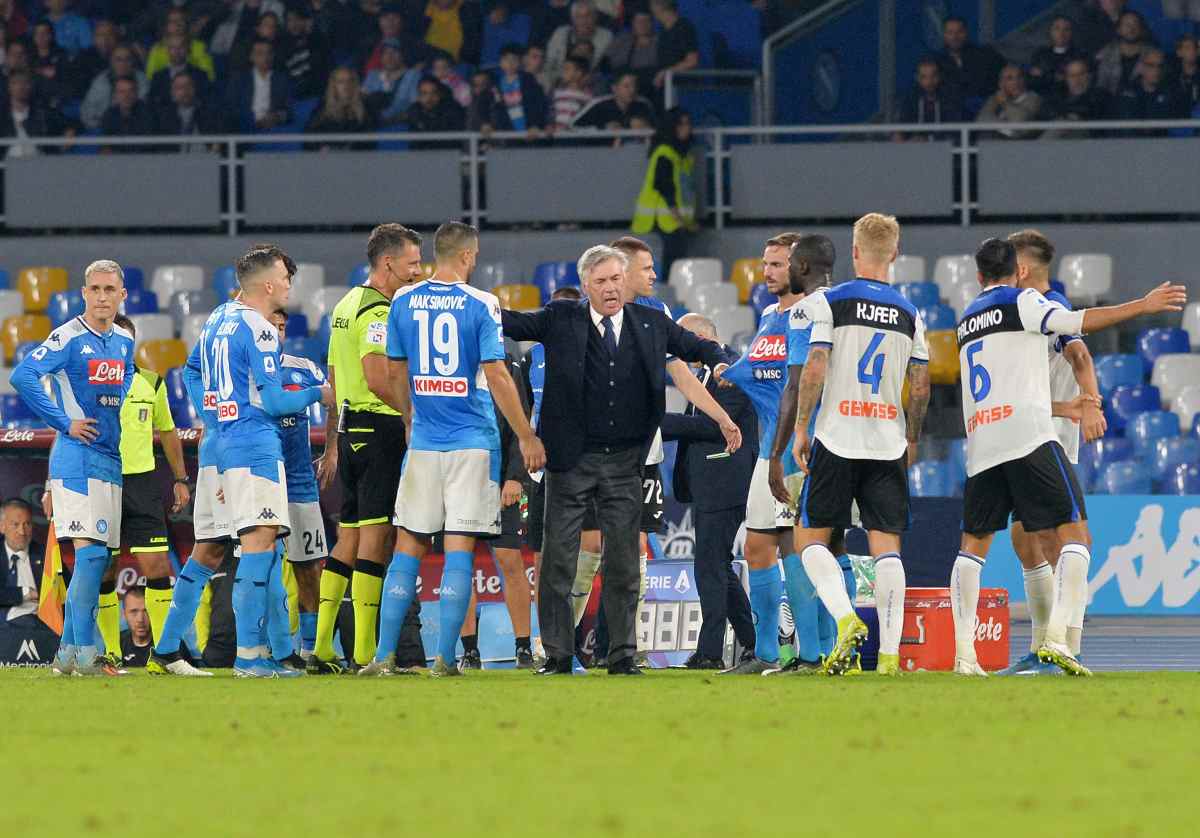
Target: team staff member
[365,444]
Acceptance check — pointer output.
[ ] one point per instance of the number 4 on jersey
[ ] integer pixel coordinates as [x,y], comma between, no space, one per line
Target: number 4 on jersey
[875,376]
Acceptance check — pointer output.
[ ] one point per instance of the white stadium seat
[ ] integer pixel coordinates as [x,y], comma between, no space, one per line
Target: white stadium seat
[953,271]
[710,298]
[308,279]
[153,327]
[189,332]
[1186,406]
[1191,324]
[676,403]
[1086,276]
[1173,372]
[6,385]
[730,321]
[689,273]
[322,302]
[168,279]
[907,269]
[962,296]
[487,276]
[11,303]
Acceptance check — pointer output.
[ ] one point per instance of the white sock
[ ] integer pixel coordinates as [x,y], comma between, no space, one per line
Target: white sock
[826,576]
[1075,624]
[585,576]
[889,601]
[964,601]
[1070,595]
[1039,593]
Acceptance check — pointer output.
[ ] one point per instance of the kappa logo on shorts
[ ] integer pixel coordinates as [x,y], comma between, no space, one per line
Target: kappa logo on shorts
[267,515]
[75,526]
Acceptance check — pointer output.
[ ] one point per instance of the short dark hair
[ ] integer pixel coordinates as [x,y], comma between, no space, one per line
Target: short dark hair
[630,245]
[996,259]
[260,257]
[258,41]
[954,19]
[136,590]
[929,61]
[1183,39]
[580,63]
[567,292]
[818,251]
[281,312]
[1034,243]
[124,321]
[452,237]
[512,48]
[19,503]
[389,237]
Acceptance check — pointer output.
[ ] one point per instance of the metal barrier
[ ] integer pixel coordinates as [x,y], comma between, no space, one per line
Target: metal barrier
[971,173]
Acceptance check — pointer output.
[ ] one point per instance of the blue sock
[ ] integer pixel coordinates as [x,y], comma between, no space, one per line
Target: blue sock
[399,588]
[848,572]
[454,599]
[766,592]
[83,597]
[308,631]
[67,642]
[250,601]
[279,630]
[802,599]
[189,587]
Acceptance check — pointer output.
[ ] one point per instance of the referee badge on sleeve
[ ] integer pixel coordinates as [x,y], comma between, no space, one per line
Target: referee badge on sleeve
[377,333]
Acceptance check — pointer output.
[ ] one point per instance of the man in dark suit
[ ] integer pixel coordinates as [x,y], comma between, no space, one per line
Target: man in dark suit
[177,65]
[21,560]
[259,98]
[184,115]
[717,490]
[603,402]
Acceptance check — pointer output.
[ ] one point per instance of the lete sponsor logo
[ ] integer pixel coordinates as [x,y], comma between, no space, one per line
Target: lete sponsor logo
[105,371]
[13,435]
[434,385]
[769,349]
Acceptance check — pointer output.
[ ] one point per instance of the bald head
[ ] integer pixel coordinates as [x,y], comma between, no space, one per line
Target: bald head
[699,325]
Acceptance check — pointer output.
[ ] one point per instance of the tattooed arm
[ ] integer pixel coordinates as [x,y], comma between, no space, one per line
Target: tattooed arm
[918,404]
[812,382]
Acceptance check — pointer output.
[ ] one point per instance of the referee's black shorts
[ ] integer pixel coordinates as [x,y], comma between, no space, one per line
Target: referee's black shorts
[1040,490]
[143,518]
[370,457]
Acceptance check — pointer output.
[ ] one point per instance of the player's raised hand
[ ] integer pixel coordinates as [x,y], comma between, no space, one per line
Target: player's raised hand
[775,480]
[84,430]
[732,434]
[533,452]
[1166,297]
[800,448]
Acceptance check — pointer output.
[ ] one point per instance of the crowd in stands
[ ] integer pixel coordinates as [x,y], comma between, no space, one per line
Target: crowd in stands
[117,68]
[1105,65]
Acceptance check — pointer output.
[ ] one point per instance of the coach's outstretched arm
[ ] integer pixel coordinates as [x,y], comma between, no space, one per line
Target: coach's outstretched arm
[812,382]
[696,393]
[529,325]
[504,394]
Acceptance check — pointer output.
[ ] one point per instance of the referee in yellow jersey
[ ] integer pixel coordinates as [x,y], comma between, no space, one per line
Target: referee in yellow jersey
[365,445]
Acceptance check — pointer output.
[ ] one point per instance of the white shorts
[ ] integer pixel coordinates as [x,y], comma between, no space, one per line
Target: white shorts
[306,541]
[763,512]
[455,492]
[210,518]
[95,515]
[255,501]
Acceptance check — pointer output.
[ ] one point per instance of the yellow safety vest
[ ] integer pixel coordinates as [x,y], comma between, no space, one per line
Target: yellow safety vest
[653,210]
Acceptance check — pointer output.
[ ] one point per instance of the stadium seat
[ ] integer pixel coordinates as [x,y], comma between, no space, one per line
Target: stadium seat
[730,321]
[741,342]
[1086,276]
[1191,324]
[11,303]
[760,298]
[22,328]
[1114,371]
[1128,477]
[308,278]
[428,269]
[14,413]
[1161,341]
[687,274]
[487,276]
[24,349]
[1107,450]
[1085,469]
[547,283]
[6,385]
[951,272]
[709,298]
[303,347]
[323,301]
[1174,452]
[1127,401]
[153,327]
[920,294]
[184,303]
[1174,372]
[184,414]
[3,278]
[1184,481]
[667,294]
[160,355]
[1186,405]
[173,381]
[171,278]
[931,479]
[134,277]
[324,328]
[358,274]
[938,317]
[943,356]
[140,301]
[1145,429]
[906,269]
[956,455]
[225,282]
[63,306]
[297,325]
[189,332]
[962,296]
[518,297]
[746,273]
[38,285]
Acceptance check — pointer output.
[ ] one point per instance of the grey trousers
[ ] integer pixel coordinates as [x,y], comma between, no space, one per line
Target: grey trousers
[614,481]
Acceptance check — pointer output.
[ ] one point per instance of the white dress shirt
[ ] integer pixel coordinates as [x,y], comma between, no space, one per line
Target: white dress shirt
[261,104]
[20,560]
[617,319]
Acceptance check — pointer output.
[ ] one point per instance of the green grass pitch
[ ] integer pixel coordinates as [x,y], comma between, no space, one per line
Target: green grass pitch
[669,754]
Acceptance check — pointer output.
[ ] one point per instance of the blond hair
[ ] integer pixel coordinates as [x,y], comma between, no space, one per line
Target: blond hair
[877,237]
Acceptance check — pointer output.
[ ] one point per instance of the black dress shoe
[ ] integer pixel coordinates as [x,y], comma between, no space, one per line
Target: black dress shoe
[700,662]
[554,666]
[625,666]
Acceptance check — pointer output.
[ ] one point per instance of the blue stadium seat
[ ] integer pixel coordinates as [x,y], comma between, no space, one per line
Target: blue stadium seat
[550,276]
[760,298]
[316,415]
[184,413]
[305,347]
[920,294]
[22,350]
[1129,477]
[938,317]
[63,306]
[1105,451]
[297,325]
[174,383]
[1173,452]
[141,302]
[134,277]
[1147,428]
[1085,469]
[14,413]
[225,282]
[931,479]
[956,455]
[1196,426]
[324,329]
[3,278]
[197,301]
[1127,401]
[1185,480]
[1114,370]
[359,274]
[1161,341]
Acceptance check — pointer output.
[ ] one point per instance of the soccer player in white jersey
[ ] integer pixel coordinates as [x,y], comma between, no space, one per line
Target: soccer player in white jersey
[866,340]
[1015,462]
[1071,374]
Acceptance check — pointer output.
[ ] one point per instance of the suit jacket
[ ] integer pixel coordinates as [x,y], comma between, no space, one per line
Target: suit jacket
[711,485]
[207,120]
[562,327]
[10,594]
[160,85]
[241,95]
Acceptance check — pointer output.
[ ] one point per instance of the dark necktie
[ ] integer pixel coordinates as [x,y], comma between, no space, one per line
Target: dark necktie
[610,336]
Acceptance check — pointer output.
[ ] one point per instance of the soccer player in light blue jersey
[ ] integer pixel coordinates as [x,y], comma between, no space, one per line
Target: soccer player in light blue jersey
[89,362]
[242,363]
[446,352]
